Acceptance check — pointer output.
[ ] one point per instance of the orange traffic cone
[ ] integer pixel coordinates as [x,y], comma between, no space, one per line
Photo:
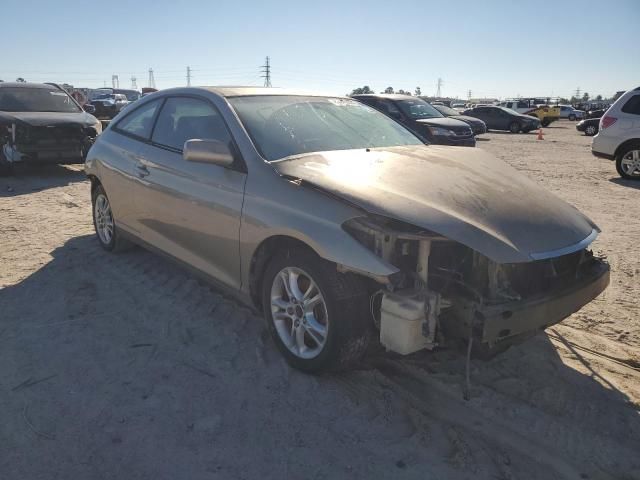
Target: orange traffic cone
[540,137]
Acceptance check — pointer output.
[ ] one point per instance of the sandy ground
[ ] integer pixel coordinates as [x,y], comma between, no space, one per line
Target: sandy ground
[125,366]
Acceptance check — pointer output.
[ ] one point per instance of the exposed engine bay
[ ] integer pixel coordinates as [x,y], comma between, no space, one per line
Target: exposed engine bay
[445,291]
[57,143]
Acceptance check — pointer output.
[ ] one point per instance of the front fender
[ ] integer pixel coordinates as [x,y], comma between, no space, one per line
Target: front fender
[306,214]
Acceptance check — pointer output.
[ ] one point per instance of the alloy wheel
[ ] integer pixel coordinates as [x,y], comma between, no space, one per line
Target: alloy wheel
[103,218]
[630,163]
[299,312]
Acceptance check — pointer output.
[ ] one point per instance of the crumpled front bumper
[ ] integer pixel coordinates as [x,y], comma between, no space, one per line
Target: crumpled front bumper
[494,324]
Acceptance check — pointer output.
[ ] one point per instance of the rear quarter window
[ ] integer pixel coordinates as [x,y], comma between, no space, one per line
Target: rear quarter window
[139,123]
[632,106]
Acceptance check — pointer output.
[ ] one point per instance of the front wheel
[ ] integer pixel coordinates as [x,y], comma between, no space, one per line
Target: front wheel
[572,117]
[317,316]
[628,162]
[104,222]
[6,167]
[514,127]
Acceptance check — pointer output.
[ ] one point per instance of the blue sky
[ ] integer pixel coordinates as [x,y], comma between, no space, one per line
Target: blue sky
[493,48]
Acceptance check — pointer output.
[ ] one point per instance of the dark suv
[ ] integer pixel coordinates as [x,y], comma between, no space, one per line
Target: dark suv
[422,119]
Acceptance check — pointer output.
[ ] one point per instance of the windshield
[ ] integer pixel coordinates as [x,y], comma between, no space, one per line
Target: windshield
[281,126]
[105,96]
[418,109]
[27,99]
[443,109]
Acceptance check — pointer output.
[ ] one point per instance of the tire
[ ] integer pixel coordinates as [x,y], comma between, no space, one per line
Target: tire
[591,130]
[514,127]
[631,153]
[343,327]
[546,122]
[6,167]
[572,118]
[113,242]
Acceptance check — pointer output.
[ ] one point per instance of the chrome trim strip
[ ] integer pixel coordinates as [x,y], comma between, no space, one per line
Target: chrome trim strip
[566,250]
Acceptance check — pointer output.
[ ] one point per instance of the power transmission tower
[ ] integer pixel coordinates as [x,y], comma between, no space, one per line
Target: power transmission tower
[439,88]
[115,82]
[266,69]
[578,92]
[152,80]
[134,83]
[469,95]
[188,76]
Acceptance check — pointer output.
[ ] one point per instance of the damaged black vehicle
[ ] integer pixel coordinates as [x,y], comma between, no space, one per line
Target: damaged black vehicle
[42,123]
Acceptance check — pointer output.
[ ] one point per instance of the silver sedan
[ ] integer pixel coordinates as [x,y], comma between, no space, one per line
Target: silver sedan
[338,224]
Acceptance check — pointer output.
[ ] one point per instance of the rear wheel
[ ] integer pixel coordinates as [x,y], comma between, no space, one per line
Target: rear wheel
[572,117]
[546,122]
[591,130]
[514,127]
[316,315]
[628,162]
[104,222]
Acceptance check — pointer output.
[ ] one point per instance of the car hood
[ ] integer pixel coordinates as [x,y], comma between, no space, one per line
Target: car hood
[467,119]
[465,195]
[45,119]
[444,122]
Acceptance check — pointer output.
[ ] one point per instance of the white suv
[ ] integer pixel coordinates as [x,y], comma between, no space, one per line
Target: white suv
[619,136]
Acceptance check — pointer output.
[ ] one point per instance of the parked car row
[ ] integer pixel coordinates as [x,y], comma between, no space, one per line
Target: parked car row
[422,119]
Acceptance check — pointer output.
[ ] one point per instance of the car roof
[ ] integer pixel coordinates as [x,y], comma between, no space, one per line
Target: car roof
[390,96]
[242,91]
[43,86]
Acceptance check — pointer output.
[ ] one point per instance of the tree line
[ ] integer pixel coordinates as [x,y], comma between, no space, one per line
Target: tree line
[367,90]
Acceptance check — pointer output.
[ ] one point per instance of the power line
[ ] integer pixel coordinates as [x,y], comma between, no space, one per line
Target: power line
[266,69]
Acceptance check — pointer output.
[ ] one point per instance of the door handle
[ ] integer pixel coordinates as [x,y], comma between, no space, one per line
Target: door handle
[143,171]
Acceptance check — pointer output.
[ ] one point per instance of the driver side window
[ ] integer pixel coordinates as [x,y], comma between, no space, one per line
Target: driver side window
[186,118]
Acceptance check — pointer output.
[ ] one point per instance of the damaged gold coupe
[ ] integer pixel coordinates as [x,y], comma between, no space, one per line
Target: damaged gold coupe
[41,123]
[339,224]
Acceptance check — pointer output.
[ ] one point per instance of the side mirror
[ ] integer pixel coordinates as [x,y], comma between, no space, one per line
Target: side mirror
[89,108]
[207,151]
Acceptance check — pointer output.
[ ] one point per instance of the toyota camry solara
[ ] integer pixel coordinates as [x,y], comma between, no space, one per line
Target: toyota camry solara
[339,225]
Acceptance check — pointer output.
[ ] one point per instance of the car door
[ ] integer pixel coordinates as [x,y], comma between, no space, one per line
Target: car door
[485,114]
[502,119]
[122,146]
[192,210]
